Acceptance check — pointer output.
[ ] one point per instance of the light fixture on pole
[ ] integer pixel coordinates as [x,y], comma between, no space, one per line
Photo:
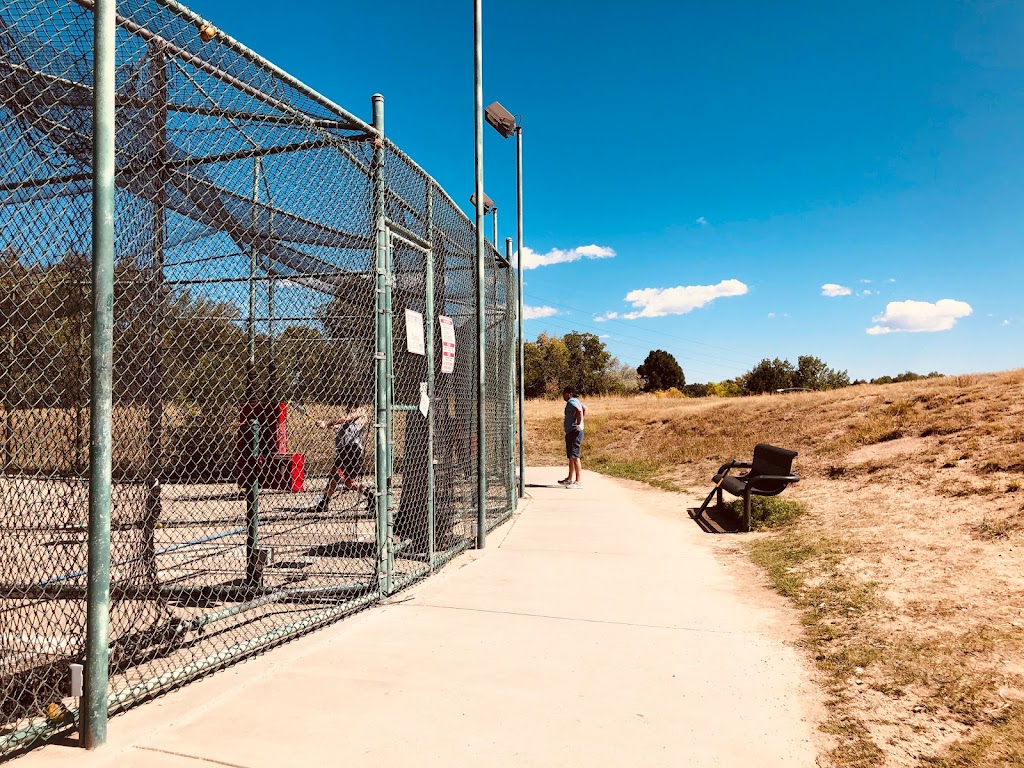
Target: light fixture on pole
[505,123]
[489,208]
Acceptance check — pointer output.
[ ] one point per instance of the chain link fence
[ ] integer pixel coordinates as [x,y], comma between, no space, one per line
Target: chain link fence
[247,503]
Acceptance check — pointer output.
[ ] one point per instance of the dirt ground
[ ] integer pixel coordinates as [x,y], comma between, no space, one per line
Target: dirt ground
[905,571]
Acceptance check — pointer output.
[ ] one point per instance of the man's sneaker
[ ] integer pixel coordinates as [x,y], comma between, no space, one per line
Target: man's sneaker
[564,482]
[573,486]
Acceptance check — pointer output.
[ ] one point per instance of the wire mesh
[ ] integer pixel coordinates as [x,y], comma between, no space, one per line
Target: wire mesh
[244,497]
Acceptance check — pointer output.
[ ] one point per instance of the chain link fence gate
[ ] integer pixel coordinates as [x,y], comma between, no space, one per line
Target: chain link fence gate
[246,502]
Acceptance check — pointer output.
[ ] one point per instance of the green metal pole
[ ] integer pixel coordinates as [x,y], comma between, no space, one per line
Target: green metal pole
[507,328]
[431,323]
[380,350]
[481,320]
[251,324]
[519,294]
[253,568]
[97,632]
[158,144]
[253,576]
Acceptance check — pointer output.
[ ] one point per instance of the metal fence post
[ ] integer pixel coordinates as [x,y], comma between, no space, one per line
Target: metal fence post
[519,296]
[481,319]
[380,350]
[511,337]
[94,716]
[431,323]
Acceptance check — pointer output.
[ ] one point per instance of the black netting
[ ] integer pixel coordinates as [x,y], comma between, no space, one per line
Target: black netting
[246,504]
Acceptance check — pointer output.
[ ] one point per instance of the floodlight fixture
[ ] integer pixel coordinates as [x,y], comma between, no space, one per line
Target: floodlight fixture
[501,120]
[488,203]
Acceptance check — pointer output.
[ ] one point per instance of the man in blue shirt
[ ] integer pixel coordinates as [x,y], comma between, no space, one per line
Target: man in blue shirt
[574,413]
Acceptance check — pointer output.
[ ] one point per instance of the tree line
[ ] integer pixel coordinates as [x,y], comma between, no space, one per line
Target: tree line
[580,361]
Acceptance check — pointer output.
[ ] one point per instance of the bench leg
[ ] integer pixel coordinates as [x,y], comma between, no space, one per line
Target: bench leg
[746,511]
[695,514]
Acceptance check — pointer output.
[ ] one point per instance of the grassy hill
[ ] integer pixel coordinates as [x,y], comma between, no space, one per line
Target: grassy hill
[907,564]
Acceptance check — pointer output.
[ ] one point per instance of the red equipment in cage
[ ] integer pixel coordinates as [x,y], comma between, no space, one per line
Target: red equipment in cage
[272,465]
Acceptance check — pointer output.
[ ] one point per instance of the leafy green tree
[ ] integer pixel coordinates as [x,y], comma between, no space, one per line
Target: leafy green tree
[545,365]
[813,373]
[769,376]
[577,360]
[660,370]
[587,363]
[696,390]
[619,379]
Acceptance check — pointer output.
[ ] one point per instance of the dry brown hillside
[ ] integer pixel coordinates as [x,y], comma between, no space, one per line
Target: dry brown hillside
[906,566]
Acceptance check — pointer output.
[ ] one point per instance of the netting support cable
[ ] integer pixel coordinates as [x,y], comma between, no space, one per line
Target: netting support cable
[229,42]
[94,725]
[224,77]
[380,403]
[481,243]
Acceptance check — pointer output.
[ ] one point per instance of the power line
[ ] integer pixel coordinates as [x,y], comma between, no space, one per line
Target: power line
[646,342]
[646,329]
[709,374]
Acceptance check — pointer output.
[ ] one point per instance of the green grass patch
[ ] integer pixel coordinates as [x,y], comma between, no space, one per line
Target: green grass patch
[642,471]
[769,511]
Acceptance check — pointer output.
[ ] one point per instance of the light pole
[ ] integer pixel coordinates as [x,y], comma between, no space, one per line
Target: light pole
[505,123]
[481,320]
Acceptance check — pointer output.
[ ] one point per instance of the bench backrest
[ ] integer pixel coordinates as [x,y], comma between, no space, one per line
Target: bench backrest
[771,460]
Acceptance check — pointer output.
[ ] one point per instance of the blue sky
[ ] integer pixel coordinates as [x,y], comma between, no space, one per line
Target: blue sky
[726,181]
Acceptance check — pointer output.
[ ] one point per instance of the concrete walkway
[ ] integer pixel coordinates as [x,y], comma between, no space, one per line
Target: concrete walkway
[595,629]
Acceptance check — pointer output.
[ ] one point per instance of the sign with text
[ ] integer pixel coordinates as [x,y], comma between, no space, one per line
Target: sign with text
[414,332]
[447,343]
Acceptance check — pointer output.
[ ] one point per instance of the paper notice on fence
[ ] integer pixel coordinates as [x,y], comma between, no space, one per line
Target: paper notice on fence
[424,399]
[414,332]
[447,344]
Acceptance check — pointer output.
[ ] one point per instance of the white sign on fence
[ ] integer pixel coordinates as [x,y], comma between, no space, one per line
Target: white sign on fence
[447,343]
[414,332]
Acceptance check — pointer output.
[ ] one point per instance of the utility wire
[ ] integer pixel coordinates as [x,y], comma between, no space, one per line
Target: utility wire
[644,328]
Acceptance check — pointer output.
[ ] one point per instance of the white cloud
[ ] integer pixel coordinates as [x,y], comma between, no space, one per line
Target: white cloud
[606,316]
[891,280]
[833,289]
[919,316]
[1005,323]
[605,336]
[658,302]
[532,259]
[868,292]
[772,315]
[702,221]
[864,281]
[535,313]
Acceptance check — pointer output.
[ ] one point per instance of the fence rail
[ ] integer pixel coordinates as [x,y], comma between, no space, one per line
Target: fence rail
[294,360]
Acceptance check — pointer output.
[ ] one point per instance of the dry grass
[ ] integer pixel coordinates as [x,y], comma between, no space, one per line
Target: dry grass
[907,565]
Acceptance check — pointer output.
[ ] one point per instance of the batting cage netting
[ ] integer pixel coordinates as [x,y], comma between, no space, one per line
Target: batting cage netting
[295,369]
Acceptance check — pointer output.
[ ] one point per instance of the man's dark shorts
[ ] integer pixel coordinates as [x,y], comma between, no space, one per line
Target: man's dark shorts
[348,460]
[573,441]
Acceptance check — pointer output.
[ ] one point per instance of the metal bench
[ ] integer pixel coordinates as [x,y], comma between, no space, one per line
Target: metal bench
[771,472]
